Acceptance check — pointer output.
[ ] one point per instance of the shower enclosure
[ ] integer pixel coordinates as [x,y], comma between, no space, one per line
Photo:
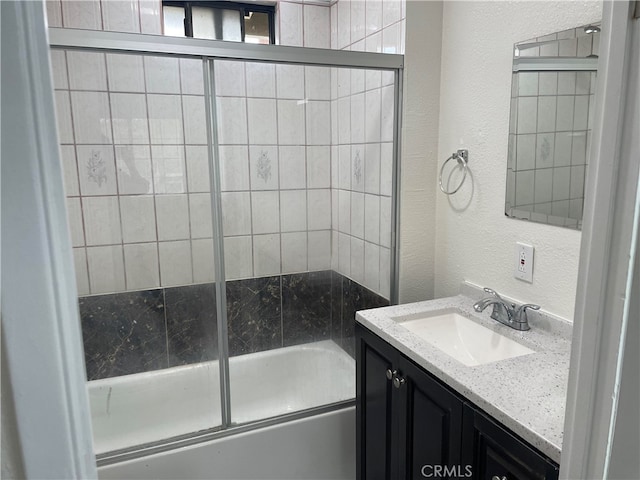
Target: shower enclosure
[231,206]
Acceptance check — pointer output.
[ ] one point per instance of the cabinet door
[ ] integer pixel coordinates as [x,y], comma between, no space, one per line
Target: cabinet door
[430,432]
[376,457]
[497,454]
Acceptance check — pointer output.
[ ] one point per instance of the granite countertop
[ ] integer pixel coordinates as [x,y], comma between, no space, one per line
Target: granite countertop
[527,394]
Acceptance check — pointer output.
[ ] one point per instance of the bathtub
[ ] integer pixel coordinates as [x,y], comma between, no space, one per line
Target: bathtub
[143,408]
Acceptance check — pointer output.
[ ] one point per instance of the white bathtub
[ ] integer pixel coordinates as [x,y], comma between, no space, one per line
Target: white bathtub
[320,447]
[147,407]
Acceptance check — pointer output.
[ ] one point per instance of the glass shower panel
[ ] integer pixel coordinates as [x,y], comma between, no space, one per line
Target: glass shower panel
[133,138]
[306,183]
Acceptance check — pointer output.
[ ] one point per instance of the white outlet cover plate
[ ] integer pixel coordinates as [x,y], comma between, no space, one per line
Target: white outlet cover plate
[523,262]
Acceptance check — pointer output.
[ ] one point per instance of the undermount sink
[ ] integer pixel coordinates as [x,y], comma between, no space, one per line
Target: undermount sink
[465,340]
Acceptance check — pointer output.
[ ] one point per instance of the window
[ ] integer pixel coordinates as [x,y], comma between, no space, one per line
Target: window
[235,22]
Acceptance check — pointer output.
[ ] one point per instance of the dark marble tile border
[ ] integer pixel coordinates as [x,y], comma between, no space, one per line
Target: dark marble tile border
[306,307]
[124,333]
[192,330]
[254,315]
[134,332]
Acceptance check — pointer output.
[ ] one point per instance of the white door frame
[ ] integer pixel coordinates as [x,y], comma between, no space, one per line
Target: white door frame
[41,335]
[609,238]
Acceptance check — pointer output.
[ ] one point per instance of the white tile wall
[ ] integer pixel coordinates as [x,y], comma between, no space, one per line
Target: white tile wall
[197,158]
[165,119]
[319,250]
[172,216]
[294,252]
[261,80]
[200,214]
[292,167]
[238,257]
[162,75]
[141,266]
[265,212]
[175,263]
[82,14]
[266,254]
[106,269]
[236,213]
[91,117]
[102,220]
[125,73]
[121,15]
[293,210]
[133,164]
[138,218]
[147,221]
[291,122]
[234,168]
[290,81]
[169,173]
[129,118]
[86,71]
[362,132]
[203,260]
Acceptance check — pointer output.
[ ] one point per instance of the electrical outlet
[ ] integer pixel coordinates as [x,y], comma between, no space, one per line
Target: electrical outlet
[524,262]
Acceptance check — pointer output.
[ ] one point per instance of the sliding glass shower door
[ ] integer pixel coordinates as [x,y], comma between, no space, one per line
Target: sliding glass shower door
[134,146]
[228,218]
[305,156]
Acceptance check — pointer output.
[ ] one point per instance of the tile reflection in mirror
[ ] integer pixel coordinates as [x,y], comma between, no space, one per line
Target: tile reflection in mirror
[552,103]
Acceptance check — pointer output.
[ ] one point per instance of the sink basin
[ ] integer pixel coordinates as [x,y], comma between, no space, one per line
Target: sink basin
[461,338]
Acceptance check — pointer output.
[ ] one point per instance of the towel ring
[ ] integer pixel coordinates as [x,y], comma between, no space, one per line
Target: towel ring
[462,156]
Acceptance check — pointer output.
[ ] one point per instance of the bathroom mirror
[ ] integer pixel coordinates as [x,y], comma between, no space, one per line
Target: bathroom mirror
[552,102]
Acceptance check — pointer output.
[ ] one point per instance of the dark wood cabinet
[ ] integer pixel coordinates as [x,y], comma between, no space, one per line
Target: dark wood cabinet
[411,426]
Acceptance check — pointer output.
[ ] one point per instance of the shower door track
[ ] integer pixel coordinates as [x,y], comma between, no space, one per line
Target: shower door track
[195,47]
[208,51]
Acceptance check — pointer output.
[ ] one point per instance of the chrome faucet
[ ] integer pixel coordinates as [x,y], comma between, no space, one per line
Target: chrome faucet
[505,312]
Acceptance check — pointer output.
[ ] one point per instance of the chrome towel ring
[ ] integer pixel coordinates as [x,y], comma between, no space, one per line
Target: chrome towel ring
[462,156]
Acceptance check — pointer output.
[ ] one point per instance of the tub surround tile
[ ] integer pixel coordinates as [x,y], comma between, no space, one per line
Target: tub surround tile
[123,333]
[134,332]
[336,307]
[192,334]
[306,307]
[355,297]
[254,315]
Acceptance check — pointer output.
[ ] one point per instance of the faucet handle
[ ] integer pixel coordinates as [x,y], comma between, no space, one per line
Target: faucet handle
[521,312]
[490,291]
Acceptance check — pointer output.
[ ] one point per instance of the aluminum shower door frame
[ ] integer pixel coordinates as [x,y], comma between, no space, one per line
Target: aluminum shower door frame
[208,51]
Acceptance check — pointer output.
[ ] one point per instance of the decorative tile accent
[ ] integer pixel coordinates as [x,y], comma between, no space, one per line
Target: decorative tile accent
[306,307]
[123,333]
[357,168]
[192,333]
[264,166]
[254,315]
[96,168]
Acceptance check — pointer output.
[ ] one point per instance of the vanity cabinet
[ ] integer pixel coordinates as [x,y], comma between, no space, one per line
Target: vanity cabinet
[409,425]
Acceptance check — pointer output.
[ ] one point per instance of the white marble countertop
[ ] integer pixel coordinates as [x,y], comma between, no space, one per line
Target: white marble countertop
[527,394]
